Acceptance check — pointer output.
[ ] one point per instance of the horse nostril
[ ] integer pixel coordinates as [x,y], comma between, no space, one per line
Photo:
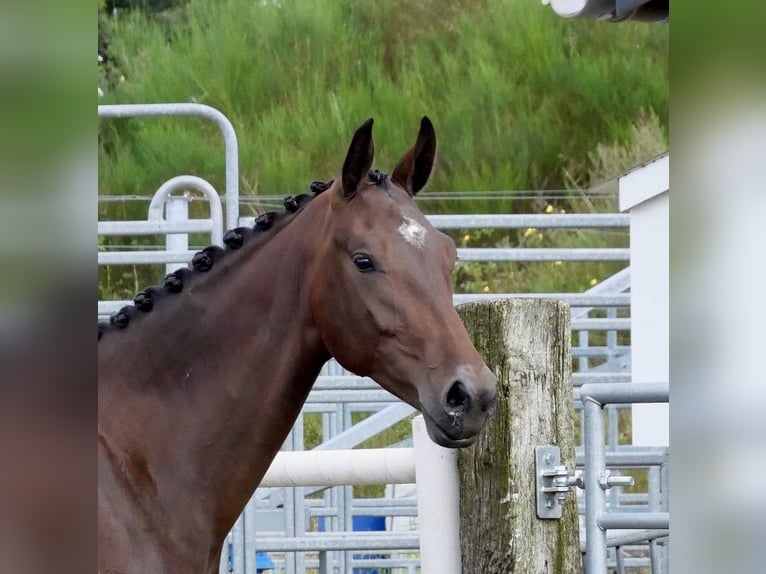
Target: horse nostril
[458,398]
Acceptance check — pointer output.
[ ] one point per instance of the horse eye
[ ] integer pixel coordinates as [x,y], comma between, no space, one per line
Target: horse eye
[364,263]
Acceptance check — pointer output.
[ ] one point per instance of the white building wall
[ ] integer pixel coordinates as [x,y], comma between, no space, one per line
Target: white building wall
[645,193]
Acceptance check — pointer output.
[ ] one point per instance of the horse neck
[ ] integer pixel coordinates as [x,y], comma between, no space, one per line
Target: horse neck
[226,380]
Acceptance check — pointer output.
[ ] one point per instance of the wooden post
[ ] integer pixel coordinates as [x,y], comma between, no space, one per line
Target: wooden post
[526,342]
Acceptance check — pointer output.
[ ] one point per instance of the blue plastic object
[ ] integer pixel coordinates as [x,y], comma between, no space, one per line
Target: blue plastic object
[263,562]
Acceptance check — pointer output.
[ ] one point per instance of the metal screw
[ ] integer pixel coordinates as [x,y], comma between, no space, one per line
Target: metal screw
[548,458]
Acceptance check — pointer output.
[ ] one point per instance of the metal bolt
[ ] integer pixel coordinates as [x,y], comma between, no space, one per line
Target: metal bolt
[549,504]
[607,481]
[548,458]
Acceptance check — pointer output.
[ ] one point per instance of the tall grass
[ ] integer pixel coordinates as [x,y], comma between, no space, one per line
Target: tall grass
[517,94]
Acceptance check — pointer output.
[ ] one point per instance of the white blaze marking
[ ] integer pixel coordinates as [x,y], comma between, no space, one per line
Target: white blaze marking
[413,232]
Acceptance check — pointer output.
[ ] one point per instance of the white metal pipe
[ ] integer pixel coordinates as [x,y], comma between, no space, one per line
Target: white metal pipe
[516,220]
[542,254]
[438,486]
[115,228]
[537,220]
[176,209]
[332,541]
[574,299]
[332,467]
[184,183]
[201,110]
[143,257]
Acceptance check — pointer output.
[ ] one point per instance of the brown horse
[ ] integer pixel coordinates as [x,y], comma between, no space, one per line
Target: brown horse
[201,381]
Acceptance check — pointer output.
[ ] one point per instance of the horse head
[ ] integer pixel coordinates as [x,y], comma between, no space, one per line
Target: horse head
[383,299]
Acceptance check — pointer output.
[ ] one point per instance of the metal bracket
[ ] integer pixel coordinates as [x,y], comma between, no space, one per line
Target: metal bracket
[553,481]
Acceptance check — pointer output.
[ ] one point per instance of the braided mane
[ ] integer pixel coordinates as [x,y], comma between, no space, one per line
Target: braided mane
[204,260]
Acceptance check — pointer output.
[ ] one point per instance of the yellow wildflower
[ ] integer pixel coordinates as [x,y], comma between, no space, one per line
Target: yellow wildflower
[529,231]
[549,208]
[558,262]
[486,289]
[466,238]
[540,236]
[593,281]
[562,210]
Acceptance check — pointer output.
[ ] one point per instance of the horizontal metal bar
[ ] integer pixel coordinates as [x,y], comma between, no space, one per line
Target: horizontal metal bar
[640,457]
[530,254]
[616,393]
[517,221]
[343,383]
[385,502]
[472,254]
[574,299]
[600,324]
[143,257]
[601,351]
[632,538]
[629,520]
[341,541]
[333,467]
[378,511]
[373,564]
[112,228]
[526,220]
[581,379]
[353,382]
[376,396]
[361,564]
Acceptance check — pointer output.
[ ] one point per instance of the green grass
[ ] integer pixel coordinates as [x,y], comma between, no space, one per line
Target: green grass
[516,93]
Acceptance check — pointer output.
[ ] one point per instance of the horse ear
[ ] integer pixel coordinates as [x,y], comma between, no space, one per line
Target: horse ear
[358,159]
[414,169]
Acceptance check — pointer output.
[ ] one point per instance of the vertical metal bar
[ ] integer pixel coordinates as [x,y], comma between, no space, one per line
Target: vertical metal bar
[654,559]
[348,499]
[238,547]
[251,522]
[299,507]
[611,336]
[613,430]
[619,556]
[289,507]
[595,499]
[665,482]
[176,209]
[583,342]
[654,489]
[324,562]
[438,503]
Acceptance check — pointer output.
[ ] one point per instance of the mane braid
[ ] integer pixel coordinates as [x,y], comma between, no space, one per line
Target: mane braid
[204,260]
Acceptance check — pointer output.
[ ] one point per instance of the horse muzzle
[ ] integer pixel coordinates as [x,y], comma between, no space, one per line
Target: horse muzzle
[462,411]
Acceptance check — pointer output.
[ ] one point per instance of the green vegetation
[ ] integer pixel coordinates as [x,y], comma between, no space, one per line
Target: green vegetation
[519,96]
